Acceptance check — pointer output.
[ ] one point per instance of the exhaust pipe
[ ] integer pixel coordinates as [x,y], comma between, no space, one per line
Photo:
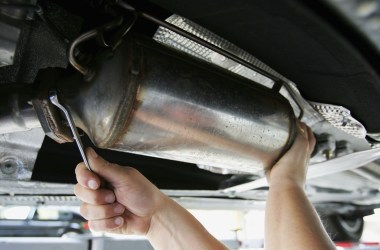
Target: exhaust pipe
[148,99]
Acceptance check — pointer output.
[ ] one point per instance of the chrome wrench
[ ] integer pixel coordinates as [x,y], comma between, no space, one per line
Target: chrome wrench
[54,99]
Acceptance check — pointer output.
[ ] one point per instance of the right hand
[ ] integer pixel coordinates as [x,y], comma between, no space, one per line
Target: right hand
[292,167]
[126,205]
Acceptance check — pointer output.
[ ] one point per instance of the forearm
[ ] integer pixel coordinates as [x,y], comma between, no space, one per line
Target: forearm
[292,222]
[175,228]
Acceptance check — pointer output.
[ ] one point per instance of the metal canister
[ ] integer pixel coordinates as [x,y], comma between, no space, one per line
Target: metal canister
[148,99]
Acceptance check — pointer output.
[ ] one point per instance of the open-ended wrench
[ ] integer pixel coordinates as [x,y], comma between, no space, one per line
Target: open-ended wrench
[54,99]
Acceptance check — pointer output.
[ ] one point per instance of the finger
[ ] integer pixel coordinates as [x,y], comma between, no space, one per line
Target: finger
[86,178]
[94,197]
[311,139]
[106,224]
[302,128]
[300,141]
[108,171]
[299,126]
[98,212]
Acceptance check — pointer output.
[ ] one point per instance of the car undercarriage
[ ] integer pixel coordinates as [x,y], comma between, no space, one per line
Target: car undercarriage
[202,97]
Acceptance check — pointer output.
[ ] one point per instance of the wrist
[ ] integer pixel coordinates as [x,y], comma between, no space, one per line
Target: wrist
[173,227]
[158,217]
[282,176]
[286,184]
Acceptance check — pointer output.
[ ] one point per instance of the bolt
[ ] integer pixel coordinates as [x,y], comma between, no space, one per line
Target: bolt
[10,165]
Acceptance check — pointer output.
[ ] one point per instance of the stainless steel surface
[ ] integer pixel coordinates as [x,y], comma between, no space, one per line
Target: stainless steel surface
[356,144]
[9,36]
[175,40]
[308,114]
[301,107]
[18,153]
[92,34]
[340,164]
[54,99]
[72,57]
[341,118]
[227,55]
[219,170]
[151,100]
[197,39]
[16,114]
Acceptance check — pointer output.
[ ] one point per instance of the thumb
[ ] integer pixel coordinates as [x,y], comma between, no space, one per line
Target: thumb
[109,172]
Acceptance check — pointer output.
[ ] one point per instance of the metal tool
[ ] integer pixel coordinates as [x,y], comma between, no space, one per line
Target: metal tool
[54,99]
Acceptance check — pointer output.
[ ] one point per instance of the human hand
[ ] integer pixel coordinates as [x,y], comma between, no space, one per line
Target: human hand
[125,205]
[292,167]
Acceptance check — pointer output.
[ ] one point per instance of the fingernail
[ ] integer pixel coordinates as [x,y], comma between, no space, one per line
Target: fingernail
[110,198]
[119,221]
[93,153]
[92,184]
[118,209]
